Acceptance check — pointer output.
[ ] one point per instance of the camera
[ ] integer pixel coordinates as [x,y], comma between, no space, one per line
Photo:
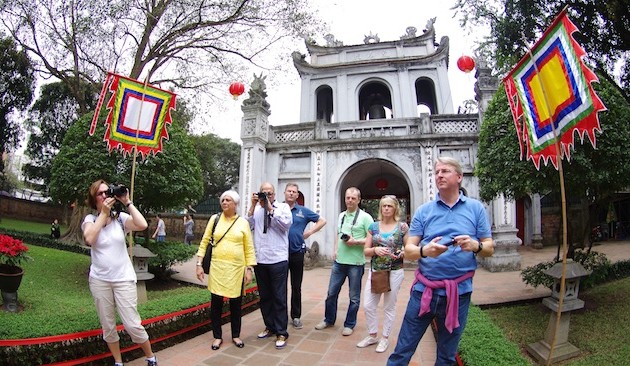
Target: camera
[117,190]
[262,196]
[345,237]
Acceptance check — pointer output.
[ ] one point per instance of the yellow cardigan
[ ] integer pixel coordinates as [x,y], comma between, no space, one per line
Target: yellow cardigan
[230,257]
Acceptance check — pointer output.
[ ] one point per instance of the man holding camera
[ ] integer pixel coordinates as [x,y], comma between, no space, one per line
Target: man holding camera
[270,222]
[349,262]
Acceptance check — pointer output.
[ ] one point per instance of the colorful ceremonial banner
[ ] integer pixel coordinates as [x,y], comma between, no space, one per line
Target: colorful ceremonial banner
[138,115]
[551,96]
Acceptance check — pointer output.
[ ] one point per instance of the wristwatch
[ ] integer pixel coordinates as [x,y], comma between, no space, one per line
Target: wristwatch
[480,248]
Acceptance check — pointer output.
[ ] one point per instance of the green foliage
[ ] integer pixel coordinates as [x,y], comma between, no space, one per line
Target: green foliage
[484,343]
[50,116]
[534,276]
[17,83]
[601,270]
[168,254]
[220,163]
[163,181]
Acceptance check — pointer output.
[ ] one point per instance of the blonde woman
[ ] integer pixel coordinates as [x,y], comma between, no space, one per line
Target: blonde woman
[385,245]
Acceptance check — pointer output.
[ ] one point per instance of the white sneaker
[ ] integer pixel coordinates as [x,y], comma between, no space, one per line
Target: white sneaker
[322,325]
[347,331]
[367,341]
[382,345]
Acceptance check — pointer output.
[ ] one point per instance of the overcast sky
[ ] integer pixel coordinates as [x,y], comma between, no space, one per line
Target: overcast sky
[350,21]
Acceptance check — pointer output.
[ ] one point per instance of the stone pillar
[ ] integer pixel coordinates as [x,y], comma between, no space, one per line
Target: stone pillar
[255,136]
[506,257]
[536,222]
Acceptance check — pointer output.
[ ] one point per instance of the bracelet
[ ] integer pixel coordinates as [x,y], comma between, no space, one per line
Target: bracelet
[421,252]
[198,264]
[129,204]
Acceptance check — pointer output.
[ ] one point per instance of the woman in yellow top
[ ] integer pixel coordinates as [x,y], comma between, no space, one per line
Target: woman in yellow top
[230,269]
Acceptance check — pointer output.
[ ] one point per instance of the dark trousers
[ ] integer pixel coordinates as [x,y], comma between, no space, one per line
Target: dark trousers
[216,309]
[272,287]
[296,270]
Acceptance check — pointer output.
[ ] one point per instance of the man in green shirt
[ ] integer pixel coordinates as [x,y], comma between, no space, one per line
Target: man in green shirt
[349,261]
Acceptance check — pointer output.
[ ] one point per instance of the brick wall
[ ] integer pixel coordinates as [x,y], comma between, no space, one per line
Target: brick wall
[21,209]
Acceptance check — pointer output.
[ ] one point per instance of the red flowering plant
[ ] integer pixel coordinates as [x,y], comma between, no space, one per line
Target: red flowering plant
[12,252]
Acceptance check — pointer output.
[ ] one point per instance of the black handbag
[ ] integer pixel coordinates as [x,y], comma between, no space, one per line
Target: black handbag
[207,258]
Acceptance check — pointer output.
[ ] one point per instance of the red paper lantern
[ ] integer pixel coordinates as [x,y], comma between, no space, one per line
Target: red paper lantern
[236,89]
[466,63]
[382,184]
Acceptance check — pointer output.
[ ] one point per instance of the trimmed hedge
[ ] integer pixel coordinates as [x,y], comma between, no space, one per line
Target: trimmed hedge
[484,343]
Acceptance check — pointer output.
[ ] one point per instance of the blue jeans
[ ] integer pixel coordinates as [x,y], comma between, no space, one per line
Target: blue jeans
[413,328]
[337,278]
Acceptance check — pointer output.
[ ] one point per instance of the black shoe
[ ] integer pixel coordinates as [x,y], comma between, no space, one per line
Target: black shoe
[217,346]
[238,344]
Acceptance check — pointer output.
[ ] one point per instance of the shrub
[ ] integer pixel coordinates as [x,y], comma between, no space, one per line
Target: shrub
[168,254]
[595,262]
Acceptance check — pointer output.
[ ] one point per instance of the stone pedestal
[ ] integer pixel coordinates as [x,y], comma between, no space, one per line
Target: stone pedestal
[562,350]
[506,257]
[559,330]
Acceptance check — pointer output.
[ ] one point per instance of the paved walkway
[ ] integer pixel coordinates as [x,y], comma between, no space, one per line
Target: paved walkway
[308,346]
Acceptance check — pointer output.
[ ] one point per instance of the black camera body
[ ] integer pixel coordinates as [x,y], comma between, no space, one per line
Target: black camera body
[345,236]
[117,190]
[262,196]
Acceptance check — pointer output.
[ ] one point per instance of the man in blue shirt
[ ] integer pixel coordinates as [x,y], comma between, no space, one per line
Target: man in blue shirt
[446,236]
[302,216]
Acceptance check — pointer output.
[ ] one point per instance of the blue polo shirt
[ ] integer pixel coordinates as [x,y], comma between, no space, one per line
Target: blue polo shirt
[301,217]
[435,218]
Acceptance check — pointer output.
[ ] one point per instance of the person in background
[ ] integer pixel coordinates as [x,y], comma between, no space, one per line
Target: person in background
[301,218]
[349,262]
[112,278]
[55,230]
[231,267]
[270,221]
[160,229]
[384,244]
[446,237]
[189,227]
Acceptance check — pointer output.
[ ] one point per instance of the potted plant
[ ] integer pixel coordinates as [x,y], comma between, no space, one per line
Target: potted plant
[12,256]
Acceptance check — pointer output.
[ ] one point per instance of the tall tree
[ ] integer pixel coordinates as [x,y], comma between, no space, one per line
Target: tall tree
[17,84]
[604,30]
[592,175]
[167,180]
[184,44]
[220,163]
[50,116]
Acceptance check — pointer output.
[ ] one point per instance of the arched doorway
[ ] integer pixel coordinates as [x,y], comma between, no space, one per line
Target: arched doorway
[375,178]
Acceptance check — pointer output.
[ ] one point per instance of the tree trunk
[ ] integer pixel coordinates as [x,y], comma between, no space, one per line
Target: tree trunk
[74,235]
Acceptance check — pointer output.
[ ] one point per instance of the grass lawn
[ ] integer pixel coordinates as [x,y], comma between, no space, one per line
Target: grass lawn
[57,300]
[600,330]
[34,227]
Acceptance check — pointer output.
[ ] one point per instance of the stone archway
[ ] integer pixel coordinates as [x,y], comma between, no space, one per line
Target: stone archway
[368,176]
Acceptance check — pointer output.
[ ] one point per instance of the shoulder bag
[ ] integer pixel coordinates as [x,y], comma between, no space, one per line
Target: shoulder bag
[207,258]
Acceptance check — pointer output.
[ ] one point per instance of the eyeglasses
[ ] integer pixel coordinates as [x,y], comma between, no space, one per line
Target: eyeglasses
[101,193]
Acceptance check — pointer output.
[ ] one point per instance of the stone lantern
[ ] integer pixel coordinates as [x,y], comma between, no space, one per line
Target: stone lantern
[141,257]
[562,349]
